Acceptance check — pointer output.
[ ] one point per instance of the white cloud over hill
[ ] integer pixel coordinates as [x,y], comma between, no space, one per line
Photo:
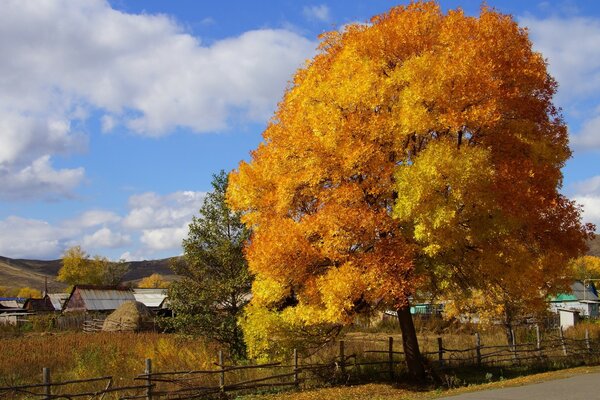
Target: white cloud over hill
[64,60]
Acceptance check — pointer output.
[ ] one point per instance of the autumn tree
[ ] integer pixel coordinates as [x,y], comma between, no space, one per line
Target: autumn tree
[78,268]
[154,281]
[420,152]
[29,293]
[215,282]
[585,267]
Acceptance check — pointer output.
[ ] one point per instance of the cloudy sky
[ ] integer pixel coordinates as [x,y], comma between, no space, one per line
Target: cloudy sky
[115,114]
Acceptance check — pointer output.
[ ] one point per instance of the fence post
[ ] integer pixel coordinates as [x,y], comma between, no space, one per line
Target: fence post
[587,341]
[391,356]
[514,344]
[538,342]
[148,373]
[440,352]
[47,382]
[222,374]
[478,348]
[562,340]
[296,380]
[342,358]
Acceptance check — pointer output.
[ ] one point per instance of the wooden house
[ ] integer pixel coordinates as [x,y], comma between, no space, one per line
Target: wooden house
[88,298]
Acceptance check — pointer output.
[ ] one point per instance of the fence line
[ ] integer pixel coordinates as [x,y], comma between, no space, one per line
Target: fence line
[191,384]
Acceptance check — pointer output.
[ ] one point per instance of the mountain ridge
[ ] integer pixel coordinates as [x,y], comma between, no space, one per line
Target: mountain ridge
[17,273]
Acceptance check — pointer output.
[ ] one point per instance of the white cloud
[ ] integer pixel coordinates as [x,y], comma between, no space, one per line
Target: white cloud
[39,179]
[572,47]
[589,135]
[30,238]
[105,238]
[588,195]
[150,210]
[64,59]
[92,218]
[164,238]
[317,13]
[155,224]
[591,208]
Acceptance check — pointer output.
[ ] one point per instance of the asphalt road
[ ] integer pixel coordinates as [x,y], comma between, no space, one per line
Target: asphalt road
[579,387]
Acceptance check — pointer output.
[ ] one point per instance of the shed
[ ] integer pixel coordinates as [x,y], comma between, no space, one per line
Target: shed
[151,298]
[39,305]
[58,300]
[568,318]
[84,298]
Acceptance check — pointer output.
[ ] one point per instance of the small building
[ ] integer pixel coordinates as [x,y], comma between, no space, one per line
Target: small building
[58,300]
[582,298]
[88,298]
[154,299]
[39,305]
[12,302]
[568,318]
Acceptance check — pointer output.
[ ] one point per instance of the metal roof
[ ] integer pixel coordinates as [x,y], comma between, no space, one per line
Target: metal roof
[58,299]
[152,298]
[579,292]
[104,299]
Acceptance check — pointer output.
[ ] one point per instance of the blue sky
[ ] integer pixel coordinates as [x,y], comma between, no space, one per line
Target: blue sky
[114,115]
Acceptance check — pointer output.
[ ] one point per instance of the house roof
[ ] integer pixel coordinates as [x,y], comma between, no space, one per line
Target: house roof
[58,300]
[43,304]
[579,292]
[99,298]
[152,298]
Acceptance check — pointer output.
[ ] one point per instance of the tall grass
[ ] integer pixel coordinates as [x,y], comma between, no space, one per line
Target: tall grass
[75,355]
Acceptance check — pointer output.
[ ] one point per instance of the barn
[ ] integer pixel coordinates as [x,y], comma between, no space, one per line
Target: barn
[88,298]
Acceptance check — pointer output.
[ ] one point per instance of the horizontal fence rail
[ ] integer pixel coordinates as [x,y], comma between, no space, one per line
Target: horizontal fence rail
[385,362]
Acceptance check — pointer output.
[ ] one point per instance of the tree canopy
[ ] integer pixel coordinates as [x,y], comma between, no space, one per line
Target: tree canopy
[418,153]
[154,281]
[78,268]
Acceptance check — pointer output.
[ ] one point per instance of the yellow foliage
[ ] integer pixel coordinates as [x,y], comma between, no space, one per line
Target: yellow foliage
[586,267]
[29,293]
[419,152]
[154,281]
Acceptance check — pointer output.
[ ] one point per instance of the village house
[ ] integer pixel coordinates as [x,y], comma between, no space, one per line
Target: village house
[88,298]
[582,298]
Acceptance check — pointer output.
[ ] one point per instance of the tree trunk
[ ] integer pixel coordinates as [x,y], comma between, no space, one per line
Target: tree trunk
[410,344]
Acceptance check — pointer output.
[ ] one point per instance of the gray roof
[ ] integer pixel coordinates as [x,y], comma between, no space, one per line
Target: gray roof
[103,298]
[58,299]
[152,298]
[584,292]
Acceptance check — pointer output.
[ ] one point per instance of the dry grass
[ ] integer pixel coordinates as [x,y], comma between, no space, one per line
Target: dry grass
[80,356]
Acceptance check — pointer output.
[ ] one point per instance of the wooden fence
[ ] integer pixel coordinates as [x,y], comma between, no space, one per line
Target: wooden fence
[385,363]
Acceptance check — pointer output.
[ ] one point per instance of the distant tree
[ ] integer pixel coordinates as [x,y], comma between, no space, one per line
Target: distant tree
[215,282]
[154,281]
[79,269]
[8,292]
[586,267]
[29,293]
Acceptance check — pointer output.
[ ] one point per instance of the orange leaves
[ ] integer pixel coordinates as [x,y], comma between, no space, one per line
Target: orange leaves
[421,152]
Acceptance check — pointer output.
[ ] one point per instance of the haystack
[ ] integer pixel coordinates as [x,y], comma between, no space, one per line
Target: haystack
[130,316]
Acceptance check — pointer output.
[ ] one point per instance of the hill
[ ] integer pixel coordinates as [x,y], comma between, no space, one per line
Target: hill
[594,245]
[17,273]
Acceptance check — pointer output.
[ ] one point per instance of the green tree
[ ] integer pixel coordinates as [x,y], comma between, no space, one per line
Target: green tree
[215,282]
[79,269]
